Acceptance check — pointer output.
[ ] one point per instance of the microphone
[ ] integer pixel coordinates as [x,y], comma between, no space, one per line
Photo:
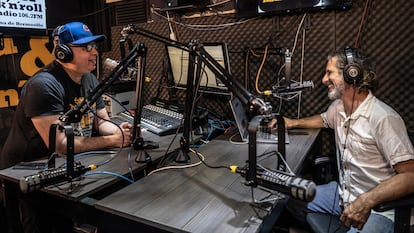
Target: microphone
[111,64]
[50,176]
[296,187]
[291,88]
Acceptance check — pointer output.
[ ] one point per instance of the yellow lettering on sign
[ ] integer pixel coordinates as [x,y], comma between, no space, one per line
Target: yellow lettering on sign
[21,83]
[8,98]
[38,51]
[9,47]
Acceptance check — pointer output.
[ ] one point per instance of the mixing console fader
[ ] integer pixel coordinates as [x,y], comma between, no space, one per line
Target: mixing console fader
[160,120]
[155,119]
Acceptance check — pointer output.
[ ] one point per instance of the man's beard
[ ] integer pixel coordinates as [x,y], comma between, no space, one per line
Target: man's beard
[336,93]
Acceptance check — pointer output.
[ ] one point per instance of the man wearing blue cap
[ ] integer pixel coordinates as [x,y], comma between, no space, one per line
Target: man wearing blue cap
[54,90]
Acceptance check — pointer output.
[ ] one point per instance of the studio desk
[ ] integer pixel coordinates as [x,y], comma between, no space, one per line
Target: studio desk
[77,198]
[194,199]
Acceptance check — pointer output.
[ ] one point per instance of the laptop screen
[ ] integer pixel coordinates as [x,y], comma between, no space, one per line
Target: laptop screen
[263,133]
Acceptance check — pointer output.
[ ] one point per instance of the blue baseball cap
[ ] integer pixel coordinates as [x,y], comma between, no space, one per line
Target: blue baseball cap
[77,33]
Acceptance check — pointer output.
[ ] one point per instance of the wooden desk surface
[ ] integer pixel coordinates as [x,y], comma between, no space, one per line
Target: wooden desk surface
[202,199]
[93,183]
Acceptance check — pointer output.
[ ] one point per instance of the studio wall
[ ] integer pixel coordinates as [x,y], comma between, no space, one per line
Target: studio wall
[380,28]
[385,34]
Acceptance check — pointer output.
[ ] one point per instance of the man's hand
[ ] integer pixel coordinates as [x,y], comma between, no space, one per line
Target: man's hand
[273,123]
[126,131]
[356,214]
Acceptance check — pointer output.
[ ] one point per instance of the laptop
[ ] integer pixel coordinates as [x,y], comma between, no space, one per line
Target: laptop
[263,133]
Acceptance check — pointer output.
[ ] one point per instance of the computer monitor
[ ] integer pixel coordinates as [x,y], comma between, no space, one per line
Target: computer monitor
[178,60]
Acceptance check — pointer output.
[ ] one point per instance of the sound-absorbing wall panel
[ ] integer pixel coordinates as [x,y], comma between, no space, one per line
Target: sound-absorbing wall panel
[386,35]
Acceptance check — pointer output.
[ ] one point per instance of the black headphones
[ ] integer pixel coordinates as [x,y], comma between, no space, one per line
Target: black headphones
[352,70]
[64,53]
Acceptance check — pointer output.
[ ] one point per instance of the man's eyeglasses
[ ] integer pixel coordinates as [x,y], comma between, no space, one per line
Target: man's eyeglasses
[88,47]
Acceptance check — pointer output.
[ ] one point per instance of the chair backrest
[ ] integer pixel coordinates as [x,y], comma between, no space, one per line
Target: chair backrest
[403,207]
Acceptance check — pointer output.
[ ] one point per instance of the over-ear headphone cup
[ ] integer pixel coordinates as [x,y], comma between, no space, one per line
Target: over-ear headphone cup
[352,70]
[352,74]
[63,53]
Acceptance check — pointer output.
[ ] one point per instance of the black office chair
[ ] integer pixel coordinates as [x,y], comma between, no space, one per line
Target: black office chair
[324,223]
[403,207]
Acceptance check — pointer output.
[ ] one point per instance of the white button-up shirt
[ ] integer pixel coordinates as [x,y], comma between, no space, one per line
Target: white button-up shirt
[368,144]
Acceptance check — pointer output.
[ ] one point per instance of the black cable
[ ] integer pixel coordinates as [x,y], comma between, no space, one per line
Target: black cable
[165,76]
[164,157]
[346,139]
[122,135]
[208,165]
[266,155]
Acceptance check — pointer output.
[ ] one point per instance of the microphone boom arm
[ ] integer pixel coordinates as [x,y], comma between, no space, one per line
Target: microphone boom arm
[254,105]
[74,115]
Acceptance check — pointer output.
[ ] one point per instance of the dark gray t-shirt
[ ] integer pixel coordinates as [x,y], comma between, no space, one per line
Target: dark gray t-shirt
[49,92]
